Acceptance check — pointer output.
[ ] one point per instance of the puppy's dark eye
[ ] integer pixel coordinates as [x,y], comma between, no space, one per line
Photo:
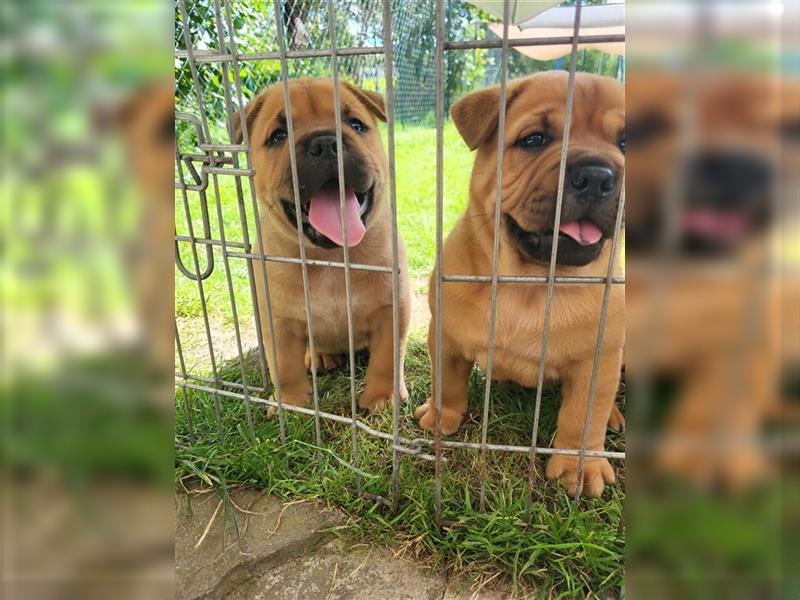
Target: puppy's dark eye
[621,143]
[166,132]
[277,137]
[357,125]
[646,128]
[534,140]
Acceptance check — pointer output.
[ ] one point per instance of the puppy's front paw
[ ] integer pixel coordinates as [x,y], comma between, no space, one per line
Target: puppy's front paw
[426,415]
[323,362]
[596,473]
[290,397]
[377,397]
[735,469]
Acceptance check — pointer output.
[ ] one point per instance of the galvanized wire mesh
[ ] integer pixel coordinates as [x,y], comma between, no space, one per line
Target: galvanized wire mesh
[209,50]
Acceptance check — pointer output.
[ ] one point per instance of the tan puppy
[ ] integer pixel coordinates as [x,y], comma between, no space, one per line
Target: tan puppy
[533,135]
[710,323]
[368,219]
[145,123]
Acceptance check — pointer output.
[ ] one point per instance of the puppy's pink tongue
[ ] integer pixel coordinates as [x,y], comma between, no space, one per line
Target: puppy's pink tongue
[583,231]
[326,216]
[724,226]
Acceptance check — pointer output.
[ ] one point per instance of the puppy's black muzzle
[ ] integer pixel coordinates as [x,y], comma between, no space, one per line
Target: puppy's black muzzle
[317,166]
[726,200]
[728,179]
[322,147]
[592,182]
[589,207]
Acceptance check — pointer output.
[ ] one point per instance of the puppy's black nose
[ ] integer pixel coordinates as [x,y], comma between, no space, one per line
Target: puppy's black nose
[729,178]
[322,146]
[592,181]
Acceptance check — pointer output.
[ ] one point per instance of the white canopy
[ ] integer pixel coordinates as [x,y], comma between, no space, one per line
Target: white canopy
[519,10]
[535,19]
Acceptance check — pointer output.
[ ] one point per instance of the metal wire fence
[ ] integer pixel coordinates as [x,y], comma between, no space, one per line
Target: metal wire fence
[200,169]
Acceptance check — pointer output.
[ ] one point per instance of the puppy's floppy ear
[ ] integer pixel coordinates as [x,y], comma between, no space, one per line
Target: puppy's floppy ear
[250,113]
[476,115]
[372,100]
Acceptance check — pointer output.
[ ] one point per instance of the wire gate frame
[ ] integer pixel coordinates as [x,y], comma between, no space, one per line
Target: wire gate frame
[214,162]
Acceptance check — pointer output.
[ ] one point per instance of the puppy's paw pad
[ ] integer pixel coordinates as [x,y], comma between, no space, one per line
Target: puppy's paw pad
[450,419]
[376,401]
[747,467]
[597,472]
[379,396]
[734,470]
[422,409]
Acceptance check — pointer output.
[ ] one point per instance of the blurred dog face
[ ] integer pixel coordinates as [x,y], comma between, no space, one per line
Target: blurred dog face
[533,135]
[707,173]
[147,124]
[365,163]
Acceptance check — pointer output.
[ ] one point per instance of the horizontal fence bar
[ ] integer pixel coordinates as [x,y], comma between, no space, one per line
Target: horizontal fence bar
[210,56]
[409,446]
[520,42]
[311,261]
[221,148]
[229,171]
[568,279]
[210,242]
[204,56]
[280,259]
[206,158]
[226,382]
[529,279]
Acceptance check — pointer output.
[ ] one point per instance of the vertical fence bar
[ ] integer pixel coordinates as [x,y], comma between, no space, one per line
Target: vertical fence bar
[190,59]
[237,181]
[601,330]
[259,238]
[548,306]
[437,392]
[201,292]
[182,365]
[337,109]
[388,53]
[501,126]
[204,129]
[224,251]
[234,311]
[287,102]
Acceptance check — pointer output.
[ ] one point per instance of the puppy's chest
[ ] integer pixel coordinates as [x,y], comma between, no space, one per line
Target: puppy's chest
[329,310]
[518,337]
[328,299]
[517,347]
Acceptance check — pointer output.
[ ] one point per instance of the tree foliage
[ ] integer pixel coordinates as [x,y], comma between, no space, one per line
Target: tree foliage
[358,24]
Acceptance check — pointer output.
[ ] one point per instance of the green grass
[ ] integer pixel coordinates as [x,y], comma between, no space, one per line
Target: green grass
[549,543]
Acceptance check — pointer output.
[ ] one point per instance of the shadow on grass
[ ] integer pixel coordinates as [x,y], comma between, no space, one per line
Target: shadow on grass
[544,542]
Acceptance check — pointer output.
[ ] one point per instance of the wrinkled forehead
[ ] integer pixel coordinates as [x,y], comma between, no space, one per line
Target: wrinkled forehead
[739,103]
[598,103]
[312,103]
[727,104]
